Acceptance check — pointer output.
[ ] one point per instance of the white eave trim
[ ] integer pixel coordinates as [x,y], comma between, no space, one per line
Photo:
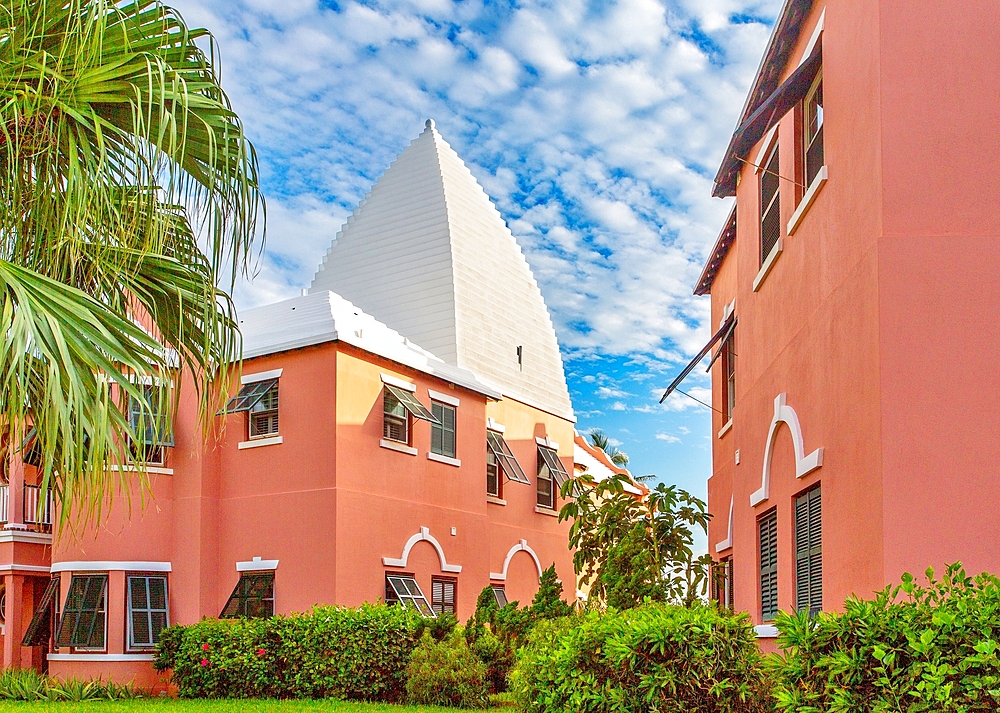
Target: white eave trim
[110,566]
[99,657]
[398,383]
[12,535]
[261,376]
[15,567]
[257,565]
[443,398]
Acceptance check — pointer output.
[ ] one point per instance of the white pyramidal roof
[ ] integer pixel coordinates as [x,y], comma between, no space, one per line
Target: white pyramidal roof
[428,254]
[596,468]
[325,317]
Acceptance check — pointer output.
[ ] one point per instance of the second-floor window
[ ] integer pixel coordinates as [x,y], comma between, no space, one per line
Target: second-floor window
[729,377]
[152,429]
[264,414]
[443,432]
[551,475]
[770,205]
[398,406]
[812,130]
[493,485]
[499,458]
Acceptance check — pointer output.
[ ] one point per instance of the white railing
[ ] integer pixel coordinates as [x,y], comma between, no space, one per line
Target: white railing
[4,490]
[33,515]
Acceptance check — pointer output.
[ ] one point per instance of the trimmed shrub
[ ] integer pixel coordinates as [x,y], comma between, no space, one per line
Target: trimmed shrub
[354,654]
[934,649]
[655,657]
[446,673]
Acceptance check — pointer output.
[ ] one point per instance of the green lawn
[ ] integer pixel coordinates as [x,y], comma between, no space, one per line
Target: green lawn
[173,706]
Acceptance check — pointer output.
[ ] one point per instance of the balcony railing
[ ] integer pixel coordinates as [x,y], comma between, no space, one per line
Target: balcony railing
[40,517]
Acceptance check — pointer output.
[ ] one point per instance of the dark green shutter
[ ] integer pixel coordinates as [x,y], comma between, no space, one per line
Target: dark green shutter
[809,552]
[768,532]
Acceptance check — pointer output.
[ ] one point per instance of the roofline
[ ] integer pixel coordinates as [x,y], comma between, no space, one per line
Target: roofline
[766,80]
[722,245]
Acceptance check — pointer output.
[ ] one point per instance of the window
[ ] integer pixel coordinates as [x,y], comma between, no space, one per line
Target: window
[812,130]
[264,414]
[147,609]
[260,400]
[253,597]
[499,457]
[809,552]
[722,583]
[729,374]
[551,474]
[443,432]
[499,594]
[403,589]
[152,428]
[84,619]
[443,594]
[770,206]
[398,405]
[767,527]
[40,627]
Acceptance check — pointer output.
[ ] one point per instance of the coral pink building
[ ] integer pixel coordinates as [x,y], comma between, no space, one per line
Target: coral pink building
[856,295]
[355,464]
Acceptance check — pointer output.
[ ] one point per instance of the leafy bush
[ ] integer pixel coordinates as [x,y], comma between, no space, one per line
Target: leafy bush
[28,685]
[548,602]
[654,657]
[935,649]
[355,654]
[446,673]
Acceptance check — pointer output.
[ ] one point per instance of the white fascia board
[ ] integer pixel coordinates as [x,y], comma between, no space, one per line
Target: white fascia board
[398,383]
[110,566]
[308,340]
[261,376]
[443,398]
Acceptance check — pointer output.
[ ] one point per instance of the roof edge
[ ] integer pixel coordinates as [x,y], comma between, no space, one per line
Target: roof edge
[722,245]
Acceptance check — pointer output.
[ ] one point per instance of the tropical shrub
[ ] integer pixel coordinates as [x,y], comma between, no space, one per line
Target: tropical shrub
[446,673]
[28,685]
[548,602]
[654,657]
[354,654]
[913,648]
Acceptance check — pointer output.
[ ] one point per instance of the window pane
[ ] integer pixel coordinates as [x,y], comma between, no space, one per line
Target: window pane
[141,635]
[137,588]
[157,593]
[158,622]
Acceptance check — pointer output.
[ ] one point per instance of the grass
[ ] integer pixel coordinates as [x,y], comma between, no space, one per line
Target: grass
[155,705]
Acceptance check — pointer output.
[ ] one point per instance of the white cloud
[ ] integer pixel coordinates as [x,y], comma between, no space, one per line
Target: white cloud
[669,438]
[606,392]
[619,406]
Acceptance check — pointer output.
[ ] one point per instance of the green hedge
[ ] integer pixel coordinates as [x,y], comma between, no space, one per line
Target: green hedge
[655,657]
[446,672]
[354,654]
[913,648]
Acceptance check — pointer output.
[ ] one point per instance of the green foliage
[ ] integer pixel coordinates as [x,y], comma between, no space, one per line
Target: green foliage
[28,685]
[355,654]
[496,656]
[548,602]
[651,658]
[439,627]
[934,649]
[599,440]
[634,546]
[446,673]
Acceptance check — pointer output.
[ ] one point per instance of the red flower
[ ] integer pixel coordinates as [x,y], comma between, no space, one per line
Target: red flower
[261,652]
[204,662]
[204,647]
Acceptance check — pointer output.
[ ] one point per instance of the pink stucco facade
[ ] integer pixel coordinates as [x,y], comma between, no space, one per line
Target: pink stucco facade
[876,322]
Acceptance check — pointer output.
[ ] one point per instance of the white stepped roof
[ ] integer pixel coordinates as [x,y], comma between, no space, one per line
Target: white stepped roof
[596,468]
[325,317]
[428,254]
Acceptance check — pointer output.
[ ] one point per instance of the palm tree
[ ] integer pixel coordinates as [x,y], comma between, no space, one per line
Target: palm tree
[129,205]
[599,440]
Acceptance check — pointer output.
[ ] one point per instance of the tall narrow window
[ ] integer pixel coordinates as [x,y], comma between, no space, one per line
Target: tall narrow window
[264,414]
[443,594]
[770,205]
[729,377]
[253,597]
[812,125]
[551,475]
[767,527]
[152,428]
[443,432]
[809,551]
[147,609]
[398,406]
[722,582]
[84,620]
[493,484]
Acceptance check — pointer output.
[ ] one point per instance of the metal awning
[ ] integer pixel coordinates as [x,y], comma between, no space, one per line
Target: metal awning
[248,396]
[724,331]
[410,403]
[554,464]
[722,342]
[508,463]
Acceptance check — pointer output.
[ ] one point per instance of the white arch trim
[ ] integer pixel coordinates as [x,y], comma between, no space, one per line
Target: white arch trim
[804,464]
[728,542]
[423,536]
[521,546]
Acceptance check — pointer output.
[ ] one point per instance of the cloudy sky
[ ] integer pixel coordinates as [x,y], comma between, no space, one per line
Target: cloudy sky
[595,127]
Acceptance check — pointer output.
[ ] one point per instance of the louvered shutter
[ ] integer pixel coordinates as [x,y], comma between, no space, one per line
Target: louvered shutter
[443,595]
[770,207]
[809,552]
[768,539]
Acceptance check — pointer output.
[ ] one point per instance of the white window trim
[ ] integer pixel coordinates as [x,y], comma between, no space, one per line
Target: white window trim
[551,512]
[764,631]
[100,657]
[765,269]
[807,200]
[443,398]
[814,39]
[152,469]
[398,383]
[260,376]
[492,425]
[260,441]
[765,148]
[110,566]
[401,447]
[444,459]
[494,500]
[547,443]
[725,429]
[257,565]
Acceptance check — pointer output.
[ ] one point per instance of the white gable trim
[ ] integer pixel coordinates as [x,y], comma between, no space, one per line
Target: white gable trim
[423,536]
[804,464]
[521,546]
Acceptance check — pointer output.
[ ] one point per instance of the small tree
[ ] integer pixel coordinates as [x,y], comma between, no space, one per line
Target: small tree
[631,547]
[548,602]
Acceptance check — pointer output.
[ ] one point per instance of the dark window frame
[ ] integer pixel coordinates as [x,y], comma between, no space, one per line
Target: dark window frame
[494,474]
[728,377]
[248,590]
[813,152]
[808,518]
[390,417]
[770,205]
[77,613]
[393,595]
[440,430]
[157,431]
[150,611]
[498,446]
[499,592]
[444,582]
[544,477]
[722,582]
[767,559]
[264,411]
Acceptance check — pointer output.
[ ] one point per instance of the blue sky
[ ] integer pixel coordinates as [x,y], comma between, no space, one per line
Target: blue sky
[595,127]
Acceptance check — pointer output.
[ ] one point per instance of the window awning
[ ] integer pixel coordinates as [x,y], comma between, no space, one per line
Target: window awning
[781,101]
[508,463]
[410,403]
[724,330]
[248,396]
[555,466]
[722,342]
[40,627]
